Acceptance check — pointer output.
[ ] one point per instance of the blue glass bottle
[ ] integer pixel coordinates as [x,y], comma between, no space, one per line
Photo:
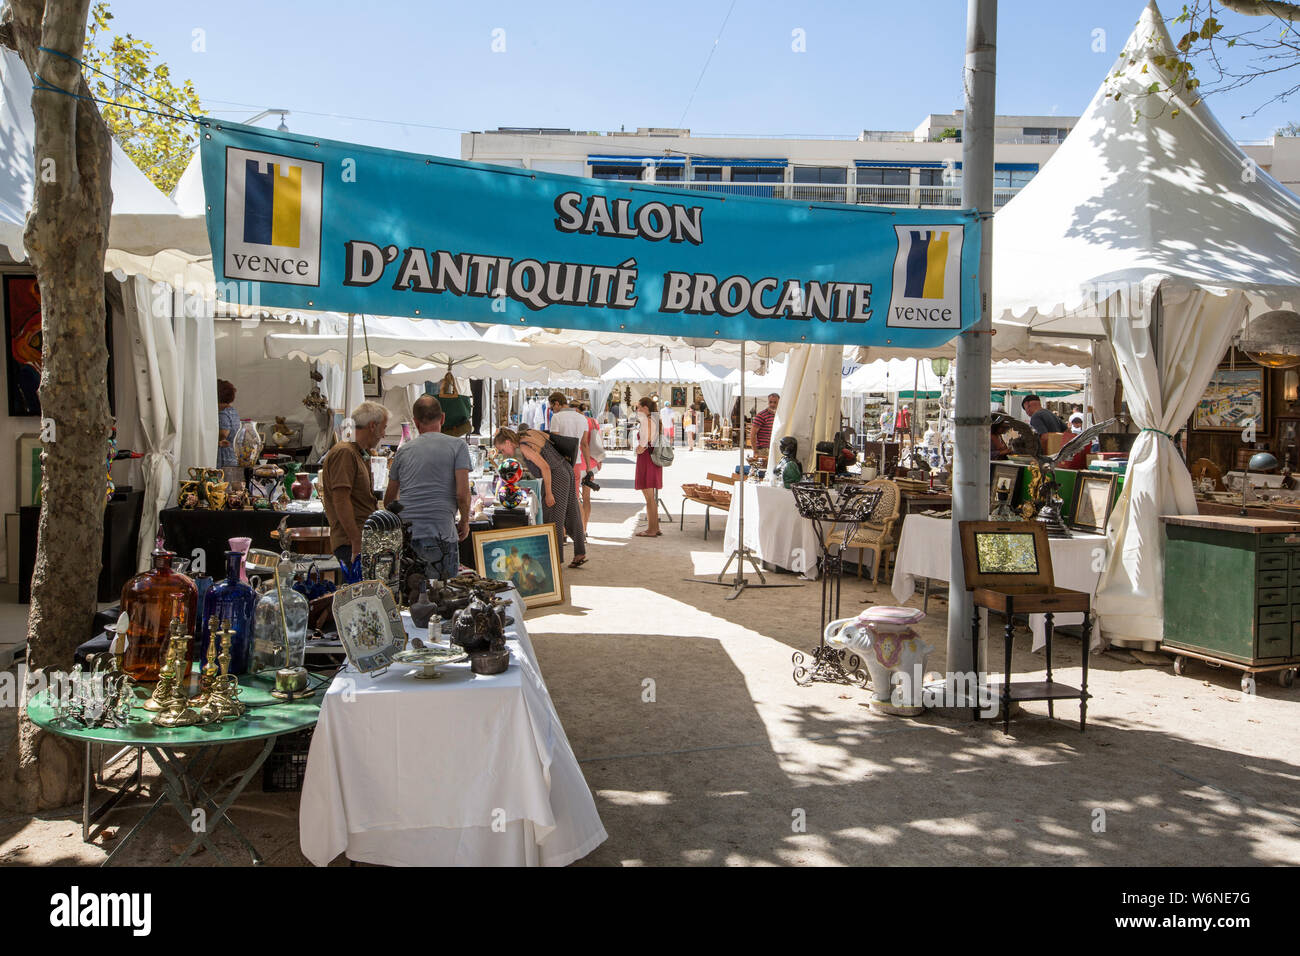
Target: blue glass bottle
[231,600]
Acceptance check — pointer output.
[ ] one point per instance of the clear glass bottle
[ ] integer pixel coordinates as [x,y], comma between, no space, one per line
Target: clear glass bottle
[247,444]
[150,600]
[234,601]
[277,609]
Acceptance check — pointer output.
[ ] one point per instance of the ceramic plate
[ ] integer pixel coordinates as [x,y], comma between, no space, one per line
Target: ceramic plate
[369,624]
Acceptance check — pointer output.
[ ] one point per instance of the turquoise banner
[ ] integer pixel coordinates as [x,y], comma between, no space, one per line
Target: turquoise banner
[300,223]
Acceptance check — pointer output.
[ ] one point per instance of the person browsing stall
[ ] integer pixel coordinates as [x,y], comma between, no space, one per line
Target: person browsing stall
[760,429]
[347,483]
[559,487]
[1041,419]
[430,477]
[571,423]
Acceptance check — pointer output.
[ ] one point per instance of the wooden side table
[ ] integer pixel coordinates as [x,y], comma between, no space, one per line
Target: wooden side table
[1008,569]
[1009,602]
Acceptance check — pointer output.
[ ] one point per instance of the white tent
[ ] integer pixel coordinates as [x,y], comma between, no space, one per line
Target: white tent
[144,221]
[618,345]
[390,341]
[1151,227]
[1011,342]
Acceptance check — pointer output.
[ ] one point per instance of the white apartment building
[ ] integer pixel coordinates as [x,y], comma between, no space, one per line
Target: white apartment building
[919,168]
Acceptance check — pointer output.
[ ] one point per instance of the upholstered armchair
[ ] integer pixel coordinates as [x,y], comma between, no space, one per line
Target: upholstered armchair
[878,533]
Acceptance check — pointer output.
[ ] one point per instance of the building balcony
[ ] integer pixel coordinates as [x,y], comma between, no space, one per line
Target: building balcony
[921,197]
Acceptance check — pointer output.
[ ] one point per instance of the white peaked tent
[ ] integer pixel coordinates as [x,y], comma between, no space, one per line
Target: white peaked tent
[391,341]
[144,221]
[1143,228]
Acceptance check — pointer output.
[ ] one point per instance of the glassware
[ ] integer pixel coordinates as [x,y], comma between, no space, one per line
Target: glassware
[279,608]
[247,443]
[150,600]
[230,604]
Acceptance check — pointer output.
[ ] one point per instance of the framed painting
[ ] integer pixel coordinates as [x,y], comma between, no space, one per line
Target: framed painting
[678,396]
[1094,495]
[23,343]
[372,381]
[29,470]
[1234,398]
[1005,478]
[997,554]
[527,557]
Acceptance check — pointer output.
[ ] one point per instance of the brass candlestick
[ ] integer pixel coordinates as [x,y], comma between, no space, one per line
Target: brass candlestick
[177,712]
[210,671]
[226,687]
[165,688]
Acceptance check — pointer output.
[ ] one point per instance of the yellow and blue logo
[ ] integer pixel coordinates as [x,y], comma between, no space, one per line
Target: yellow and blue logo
[927,262]
[273,217]
[272,204]
[927,279]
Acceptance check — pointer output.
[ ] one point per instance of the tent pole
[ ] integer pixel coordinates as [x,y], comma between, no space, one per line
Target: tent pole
[741,554]
[970,496]
[659,397]
[347,369]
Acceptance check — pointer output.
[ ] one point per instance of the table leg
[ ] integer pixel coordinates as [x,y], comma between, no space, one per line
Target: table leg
[90,817]
[1047,635]
[1083,690]
[174,783]
[975,657]
[219,816]
[1006,675]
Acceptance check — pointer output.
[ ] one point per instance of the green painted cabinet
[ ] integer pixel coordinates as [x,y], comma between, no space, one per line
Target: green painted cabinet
[1232,588]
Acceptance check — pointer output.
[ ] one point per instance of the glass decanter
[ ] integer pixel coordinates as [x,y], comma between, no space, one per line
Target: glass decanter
[279,608]
[150,600]
[247,443]
[230,604]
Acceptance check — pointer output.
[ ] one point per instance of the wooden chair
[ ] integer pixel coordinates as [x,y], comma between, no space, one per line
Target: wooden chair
[877,533]
[708,503]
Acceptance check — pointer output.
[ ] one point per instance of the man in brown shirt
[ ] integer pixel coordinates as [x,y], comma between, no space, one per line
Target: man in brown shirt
[346,483]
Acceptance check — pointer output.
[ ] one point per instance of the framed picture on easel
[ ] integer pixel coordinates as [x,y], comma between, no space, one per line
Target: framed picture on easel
[527,556]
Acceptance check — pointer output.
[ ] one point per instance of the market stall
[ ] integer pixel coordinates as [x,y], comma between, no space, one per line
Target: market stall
[1094,246]
[501,788]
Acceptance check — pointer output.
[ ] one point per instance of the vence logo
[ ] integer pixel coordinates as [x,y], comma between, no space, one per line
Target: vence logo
[273,216]
[927,279]
[102,909]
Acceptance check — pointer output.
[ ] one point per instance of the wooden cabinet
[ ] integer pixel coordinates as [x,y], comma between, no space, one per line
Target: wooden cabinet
[1232,590]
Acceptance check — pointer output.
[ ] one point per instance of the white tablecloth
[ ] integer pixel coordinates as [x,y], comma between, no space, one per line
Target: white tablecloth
[773,529]
[925,551]
[465,770]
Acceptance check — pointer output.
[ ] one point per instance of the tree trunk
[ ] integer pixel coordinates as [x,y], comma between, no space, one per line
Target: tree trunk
[66,235]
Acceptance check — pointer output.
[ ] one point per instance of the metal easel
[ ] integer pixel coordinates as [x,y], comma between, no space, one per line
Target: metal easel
[741,553]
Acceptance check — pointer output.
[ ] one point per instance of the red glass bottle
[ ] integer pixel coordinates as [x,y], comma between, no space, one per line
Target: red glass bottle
[151,600]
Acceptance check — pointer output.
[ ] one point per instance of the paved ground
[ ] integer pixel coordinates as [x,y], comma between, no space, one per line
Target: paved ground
[733,764]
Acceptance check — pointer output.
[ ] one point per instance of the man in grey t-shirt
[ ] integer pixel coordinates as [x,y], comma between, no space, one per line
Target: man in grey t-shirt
[1041,419]
[430,476]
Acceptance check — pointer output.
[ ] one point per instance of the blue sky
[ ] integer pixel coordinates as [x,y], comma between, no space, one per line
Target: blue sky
[596,66]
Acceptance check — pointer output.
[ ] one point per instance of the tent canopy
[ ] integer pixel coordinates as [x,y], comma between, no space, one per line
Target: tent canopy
[144,221]
[389,341]
[1151,227]
[646,369]
[1124,205]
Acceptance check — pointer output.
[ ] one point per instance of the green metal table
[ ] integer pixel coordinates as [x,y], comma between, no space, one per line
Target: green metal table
[186,755]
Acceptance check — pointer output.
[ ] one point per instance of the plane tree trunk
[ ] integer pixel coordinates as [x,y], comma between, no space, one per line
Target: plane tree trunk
[66,236]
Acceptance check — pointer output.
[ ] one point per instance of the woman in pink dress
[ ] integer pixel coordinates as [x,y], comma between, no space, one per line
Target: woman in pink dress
[649,476]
